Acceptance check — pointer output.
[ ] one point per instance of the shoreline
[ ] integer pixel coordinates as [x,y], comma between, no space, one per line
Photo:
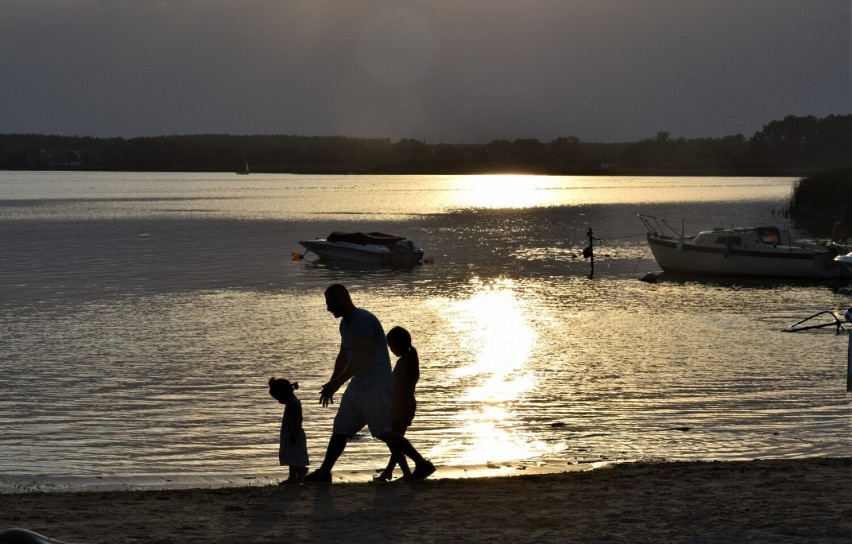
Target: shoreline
[172,481]
[789,500]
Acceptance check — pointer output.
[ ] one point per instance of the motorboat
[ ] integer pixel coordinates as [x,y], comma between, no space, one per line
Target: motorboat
[846,261]
[766,252]
[374,248]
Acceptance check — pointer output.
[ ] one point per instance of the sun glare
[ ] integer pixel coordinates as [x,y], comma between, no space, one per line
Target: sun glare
[504,191]
[498,332]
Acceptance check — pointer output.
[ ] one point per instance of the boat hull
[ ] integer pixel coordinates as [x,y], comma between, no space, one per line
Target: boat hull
[338,251]
[372,254]
[846,261]
[772,262]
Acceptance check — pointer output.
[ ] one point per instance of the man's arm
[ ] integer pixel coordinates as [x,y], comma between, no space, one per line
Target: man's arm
[339,363]
[360,354]
[345,368]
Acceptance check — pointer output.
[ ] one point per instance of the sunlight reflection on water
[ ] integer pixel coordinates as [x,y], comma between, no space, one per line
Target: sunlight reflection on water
[98,195]
[506,191]
[499,333]
[142,319]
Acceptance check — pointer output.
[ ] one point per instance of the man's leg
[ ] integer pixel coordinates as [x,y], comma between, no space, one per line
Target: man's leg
[347,422]
[336,445]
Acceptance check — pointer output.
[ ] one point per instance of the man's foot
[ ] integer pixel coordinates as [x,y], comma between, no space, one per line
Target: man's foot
[317,477]
[422,471]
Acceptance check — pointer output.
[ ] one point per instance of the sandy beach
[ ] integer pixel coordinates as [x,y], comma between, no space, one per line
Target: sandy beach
[806,500]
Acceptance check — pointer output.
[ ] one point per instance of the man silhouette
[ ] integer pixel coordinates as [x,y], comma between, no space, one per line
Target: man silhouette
[363,358]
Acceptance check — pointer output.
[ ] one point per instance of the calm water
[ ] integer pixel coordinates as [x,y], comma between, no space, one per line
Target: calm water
[143,313]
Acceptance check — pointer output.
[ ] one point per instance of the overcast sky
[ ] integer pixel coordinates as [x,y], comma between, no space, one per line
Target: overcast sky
[455,71]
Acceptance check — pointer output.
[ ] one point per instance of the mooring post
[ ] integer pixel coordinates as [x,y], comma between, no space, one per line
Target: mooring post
[848,317]
[849,365]
[590,252]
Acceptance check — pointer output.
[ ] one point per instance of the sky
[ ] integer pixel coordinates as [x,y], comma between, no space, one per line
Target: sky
[439,71]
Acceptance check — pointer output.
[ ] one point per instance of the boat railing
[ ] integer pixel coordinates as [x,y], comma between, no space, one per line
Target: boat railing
[657,226]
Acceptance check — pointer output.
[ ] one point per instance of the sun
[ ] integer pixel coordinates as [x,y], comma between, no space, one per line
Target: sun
[504,191]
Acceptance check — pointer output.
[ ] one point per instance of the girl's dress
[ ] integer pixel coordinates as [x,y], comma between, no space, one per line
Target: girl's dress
[293,453]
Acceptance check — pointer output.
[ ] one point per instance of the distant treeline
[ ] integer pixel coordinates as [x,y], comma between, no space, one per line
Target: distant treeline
[792,146]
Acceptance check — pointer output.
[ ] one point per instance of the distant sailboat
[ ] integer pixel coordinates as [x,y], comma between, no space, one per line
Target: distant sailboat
[245,170]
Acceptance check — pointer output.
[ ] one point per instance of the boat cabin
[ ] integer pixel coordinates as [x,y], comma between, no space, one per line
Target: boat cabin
[744,237]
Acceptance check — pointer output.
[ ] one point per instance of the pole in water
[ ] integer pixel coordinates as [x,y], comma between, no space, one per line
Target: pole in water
[848,316]
[589,252]
[849,366]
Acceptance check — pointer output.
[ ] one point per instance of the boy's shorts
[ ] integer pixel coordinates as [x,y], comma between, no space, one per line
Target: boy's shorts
[361,407]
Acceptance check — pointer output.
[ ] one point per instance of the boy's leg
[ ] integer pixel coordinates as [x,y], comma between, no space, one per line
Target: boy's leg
[395,458]
[387,473]
[399,444]
[403,465]
[400,459]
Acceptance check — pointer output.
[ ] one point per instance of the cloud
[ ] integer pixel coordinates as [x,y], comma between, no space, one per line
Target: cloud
[466,71]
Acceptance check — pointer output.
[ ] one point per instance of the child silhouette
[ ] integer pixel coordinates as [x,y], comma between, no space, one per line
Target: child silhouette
[406,373]
[293,448]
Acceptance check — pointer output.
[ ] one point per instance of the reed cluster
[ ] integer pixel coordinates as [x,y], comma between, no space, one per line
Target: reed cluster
[821,200]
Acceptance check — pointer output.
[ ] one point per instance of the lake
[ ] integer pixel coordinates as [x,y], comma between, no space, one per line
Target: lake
[142,314]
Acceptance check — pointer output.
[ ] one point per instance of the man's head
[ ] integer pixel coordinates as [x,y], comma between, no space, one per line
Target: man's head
[338,301]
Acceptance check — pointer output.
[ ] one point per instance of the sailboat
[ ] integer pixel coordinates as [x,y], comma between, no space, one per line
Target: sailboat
[245,171]
[765,251]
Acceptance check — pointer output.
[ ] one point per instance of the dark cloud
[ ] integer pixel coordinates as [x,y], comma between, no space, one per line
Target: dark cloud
[451,71]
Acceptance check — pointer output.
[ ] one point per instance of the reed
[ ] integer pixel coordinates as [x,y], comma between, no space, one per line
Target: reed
[820,200]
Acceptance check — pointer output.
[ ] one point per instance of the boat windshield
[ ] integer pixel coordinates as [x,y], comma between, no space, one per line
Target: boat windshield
[769,235]
[729,241]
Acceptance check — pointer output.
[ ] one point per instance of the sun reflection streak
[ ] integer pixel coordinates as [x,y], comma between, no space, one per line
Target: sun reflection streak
[504,191]
[496,327]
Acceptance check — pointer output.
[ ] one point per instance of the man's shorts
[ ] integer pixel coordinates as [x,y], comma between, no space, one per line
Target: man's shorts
[361,407]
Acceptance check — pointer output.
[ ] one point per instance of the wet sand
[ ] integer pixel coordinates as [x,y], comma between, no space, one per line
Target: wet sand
[806,500]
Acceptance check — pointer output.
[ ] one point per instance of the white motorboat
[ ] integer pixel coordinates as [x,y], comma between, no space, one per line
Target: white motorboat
[742,251]
[846,261]
[373,248]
